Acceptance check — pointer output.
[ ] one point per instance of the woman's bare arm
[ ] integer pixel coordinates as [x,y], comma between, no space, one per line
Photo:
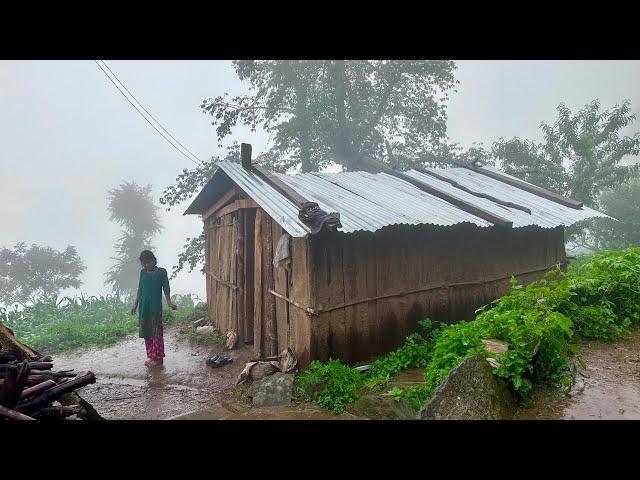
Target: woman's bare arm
[135,304]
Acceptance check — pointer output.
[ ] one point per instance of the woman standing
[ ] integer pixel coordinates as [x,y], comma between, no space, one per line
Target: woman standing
[153,280]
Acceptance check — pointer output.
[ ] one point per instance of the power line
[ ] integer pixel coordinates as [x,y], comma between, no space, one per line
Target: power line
[148,112]
[146,119]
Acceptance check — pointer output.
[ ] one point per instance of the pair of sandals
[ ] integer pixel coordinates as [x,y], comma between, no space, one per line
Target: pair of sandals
[218,361]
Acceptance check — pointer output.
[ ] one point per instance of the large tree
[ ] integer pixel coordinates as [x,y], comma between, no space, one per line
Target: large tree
[622,202]
[133,208]
[28,275]
[581,154]
[319,112]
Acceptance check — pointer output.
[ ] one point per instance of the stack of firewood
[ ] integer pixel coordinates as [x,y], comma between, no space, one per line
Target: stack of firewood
[29,386]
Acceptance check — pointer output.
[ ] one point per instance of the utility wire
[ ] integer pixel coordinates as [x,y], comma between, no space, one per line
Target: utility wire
[197,161]
[149,113]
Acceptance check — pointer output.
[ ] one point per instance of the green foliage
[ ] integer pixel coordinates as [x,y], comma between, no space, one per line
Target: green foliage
[133,208]
[331,385]
[319,111]
[590,140]
[607,293]
[84,321]
[622,202]
[37,273]
[415,353]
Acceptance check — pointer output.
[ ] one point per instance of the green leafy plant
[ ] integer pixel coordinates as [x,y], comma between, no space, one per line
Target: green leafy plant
[331,385]
[85,321]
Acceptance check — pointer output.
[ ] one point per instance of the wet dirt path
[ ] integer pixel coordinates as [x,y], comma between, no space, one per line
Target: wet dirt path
[609,388]
[125,389]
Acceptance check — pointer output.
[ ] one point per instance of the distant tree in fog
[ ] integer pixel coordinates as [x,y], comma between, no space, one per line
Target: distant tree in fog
[581,154]
[581,157]
[133,208]
[622,202]
[29,275]
[322,111]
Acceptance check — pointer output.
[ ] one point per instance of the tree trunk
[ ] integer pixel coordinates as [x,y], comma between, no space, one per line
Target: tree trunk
[343,149]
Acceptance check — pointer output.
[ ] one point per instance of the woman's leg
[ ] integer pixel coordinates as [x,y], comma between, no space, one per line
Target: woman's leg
[159,343]
[155,346]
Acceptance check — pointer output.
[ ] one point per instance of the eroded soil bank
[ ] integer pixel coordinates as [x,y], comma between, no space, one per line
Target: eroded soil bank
[609,387]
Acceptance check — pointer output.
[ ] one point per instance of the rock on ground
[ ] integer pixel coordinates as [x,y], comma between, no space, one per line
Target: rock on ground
[470,392]
[276,389]
[262,369]
[380,407]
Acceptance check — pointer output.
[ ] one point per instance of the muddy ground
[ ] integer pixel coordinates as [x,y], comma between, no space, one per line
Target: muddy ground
[126,389]
[609,387]
[186,388]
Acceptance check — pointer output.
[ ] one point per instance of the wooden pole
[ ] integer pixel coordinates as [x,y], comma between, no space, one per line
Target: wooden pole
[527,187]
[442,178]
[258,290]
[453,200]
[239,292]
[272,332]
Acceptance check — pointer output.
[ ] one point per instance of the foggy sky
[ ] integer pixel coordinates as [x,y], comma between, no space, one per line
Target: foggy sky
[67,136]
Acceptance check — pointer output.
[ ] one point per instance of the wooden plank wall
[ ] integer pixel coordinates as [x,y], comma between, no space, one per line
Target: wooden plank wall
[299,290]
[220,261]
[364,265]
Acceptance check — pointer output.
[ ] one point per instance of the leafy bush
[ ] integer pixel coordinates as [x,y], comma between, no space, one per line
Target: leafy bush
[607,291]
[331,385]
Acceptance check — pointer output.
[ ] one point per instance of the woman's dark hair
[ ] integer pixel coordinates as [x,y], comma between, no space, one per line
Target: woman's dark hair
[147,255]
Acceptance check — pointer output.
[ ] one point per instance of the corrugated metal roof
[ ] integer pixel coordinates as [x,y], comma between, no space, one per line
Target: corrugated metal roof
[544,213]
[368,201]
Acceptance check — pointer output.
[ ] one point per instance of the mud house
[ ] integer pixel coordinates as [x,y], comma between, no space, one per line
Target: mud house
[344,265]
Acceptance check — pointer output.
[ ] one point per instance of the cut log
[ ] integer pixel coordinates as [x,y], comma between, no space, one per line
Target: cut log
[45,398]
[14,382]
[13,415]
[32,365]
[37,389]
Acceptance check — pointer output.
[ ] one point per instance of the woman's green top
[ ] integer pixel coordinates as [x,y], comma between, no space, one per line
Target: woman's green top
[150,289]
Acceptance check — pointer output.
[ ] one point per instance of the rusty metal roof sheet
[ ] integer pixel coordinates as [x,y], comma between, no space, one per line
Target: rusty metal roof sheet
[368,201]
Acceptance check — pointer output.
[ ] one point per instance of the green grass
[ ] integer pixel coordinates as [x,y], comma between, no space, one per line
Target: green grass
[599,297]
[85,322]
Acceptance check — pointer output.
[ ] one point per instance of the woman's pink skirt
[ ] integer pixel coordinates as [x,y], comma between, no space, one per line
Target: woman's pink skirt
[155,346]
